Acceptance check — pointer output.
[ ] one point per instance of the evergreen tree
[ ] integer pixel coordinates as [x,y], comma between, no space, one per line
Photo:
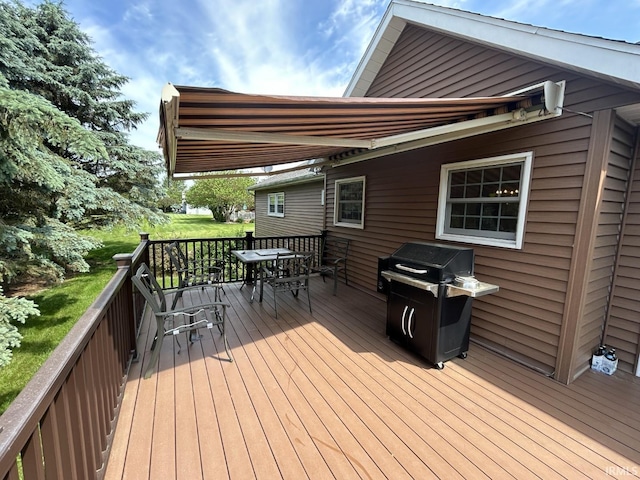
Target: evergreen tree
[65,158]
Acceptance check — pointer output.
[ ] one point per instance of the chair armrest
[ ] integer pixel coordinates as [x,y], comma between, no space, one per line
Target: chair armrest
[191,308]
[335,260]
[207,263]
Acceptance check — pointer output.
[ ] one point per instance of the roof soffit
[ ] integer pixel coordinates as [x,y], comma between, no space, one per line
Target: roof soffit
[610,60]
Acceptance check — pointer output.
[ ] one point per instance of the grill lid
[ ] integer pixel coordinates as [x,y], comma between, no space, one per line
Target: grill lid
[438,262]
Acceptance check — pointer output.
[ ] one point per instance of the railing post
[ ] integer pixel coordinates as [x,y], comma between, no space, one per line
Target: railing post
[323,238]
[248,245]
[144,239]
[124,261]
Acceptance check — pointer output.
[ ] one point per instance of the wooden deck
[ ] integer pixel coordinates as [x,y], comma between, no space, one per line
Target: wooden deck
[327,395]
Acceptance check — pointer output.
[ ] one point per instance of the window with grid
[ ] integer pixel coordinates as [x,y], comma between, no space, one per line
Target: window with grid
[275,204]
[349,202]
[484,201]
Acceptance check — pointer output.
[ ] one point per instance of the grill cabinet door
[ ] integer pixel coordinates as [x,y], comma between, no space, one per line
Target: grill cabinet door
[411,314]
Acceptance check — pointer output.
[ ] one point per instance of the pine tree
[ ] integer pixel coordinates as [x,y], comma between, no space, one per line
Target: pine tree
[65,158]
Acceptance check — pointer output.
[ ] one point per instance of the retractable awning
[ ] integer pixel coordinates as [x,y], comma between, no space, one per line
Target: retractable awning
[213,130]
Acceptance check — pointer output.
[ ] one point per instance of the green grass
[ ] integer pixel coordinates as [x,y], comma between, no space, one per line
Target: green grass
[62,305]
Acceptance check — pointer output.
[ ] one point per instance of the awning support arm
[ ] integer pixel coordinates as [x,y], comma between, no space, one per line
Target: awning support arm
[259,137]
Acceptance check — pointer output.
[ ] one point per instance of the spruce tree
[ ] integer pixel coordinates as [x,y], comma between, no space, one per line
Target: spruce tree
[66,162]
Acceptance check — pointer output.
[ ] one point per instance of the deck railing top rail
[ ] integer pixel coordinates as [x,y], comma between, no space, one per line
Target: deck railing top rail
[221,248]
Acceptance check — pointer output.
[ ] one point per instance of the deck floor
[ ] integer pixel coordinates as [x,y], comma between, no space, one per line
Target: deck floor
[327,395]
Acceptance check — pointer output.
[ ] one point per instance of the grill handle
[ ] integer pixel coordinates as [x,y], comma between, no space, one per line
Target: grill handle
[404,313]
[400,266]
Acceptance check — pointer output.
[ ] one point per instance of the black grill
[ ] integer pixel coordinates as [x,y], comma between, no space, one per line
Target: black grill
[432,262]
[424,313]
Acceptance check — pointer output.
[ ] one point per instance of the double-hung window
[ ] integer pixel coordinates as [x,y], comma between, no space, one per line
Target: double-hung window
[275,204]
[484,201]
[349,202]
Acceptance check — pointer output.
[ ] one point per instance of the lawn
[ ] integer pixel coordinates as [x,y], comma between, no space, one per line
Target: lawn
[62,305]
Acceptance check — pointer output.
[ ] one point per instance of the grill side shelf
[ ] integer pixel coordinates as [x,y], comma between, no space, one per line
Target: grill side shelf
[414,282]
[479,291]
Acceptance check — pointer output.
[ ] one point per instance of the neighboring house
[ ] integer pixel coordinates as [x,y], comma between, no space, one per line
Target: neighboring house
[550,203]
[290,203]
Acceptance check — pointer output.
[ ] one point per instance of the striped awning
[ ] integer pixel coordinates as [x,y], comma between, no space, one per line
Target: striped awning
[213,130]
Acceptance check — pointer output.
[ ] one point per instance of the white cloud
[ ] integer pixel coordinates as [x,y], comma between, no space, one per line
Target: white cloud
[266,47]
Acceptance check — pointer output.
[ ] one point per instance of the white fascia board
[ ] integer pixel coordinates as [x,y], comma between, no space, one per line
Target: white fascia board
[383,40]
[612,60]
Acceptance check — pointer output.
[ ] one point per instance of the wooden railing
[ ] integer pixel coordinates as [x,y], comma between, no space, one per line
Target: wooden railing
[61,425]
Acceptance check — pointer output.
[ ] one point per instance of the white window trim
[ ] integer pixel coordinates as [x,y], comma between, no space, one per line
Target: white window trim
[274,195]
[527,158]
[336,221]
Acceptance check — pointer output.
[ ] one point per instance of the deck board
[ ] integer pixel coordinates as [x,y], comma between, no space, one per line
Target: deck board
[327,395]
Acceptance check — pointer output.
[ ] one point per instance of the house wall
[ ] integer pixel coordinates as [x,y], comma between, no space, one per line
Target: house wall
[526,317]
[614,178]
[303,210]
[623,324]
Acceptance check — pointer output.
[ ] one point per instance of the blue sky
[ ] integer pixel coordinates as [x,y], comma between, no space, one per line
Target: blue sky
[296,47]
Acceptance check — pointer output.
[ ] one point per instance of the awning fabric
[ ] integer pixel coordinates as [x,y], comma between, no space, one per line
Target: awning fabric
[212,130]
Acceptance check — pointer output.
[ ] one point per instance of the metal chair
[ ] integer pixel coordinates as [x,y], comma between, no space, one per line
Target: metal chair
[289,272]
[210,313]
[196,272]
[334,260]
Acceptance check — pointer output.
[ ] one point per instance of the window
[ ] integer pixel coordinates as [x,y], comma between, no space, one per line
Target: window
[484,201]
[349,203]
[275,204]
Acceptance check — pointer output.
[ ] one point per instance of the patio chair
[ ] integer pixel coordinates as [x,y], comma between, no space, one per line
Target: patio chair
[334,260]
[289,272]
[197,272]
[174,321]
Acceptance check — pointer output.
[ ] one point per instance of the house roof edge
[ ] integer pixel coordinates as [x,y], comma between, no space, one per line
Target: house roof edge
[612,60]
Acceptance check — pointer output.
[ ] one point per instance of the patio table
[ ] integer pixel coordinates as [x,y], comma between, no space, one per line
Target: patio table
[252,258]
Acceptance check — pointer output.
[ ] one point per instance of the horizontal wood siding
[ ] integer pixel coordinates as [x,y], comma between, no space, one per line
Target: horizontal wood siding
[623,329]
[613,196]
[526,316]
[401,205]
[303,211]
[429,64]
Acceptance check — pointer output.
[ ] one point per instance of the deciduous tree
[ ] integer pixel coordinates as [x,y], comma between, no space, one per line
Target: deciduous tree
[172,201]
[222,196]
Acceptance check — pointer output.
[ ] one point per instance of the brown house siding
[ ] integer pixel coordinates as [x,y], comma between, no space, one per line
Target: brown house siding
[610,201]
[623,325]
[303,211]
[526,317]
[429,64]
[401,204]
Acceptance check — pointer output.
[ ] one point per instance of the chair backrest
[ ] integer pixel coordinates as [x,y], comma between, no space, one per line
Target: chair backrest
[178,260]
[147,284]
[293,264]
[195,271]
[334,248]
